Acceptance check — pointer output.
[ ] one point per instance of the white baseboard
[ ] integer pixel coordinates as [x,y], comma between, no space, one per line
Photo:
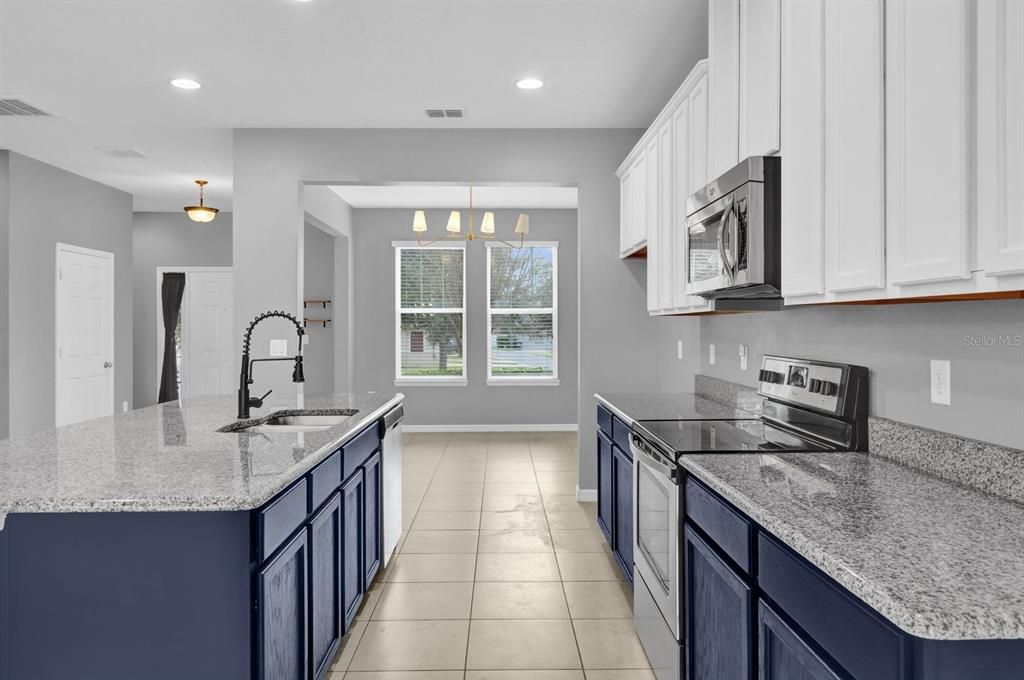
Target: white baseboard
[586,495]
[515,427]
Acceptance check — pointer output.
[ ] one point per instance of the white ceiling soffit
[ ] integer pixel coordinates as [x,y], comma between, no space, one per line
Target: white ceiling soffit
[101,68]
[426,196]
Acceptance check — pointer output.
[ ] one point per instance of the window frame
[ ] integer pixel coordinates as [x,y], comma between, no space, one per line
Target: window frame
[425,380]
[525,380]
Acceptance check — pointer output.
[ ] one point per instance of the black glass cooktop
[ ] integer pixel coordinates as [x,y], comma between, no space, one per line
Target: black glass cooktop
[721,436]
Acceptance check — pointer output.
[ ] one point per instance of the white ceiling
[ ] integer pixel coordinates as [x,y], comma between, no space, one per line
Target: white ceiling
[101,67]
[454,197]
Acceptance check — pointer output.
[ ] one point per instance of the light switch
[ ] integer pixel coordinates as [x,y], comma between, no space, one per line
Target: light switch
[711,354]
[278,347]
[744,350]
[679,349]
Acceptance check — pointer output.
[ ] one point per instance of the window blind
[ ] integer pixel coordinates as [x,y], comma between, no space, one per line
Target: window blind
[522,315]
[430,311]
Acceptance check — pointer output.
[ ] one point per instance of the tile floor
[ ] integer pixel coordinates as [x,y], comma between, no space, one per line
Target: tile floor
[502,574]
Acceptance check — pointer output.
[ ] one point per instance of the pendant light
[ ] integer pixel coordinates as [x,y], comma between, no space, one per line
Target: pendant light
[201,212]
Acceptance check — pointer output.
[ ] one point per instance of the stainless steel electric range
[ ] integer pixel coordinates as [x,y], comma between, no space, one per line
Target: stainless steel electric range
[808,406]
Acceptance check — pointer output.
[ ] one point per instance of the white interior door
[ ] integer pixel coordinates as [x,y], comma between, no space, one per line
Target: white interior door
[208,356]
[85,334]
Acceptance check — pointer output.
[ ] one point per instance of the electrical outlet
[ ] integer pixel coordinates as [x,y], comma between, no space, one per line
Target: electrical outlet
[744,350]
[711,354]
[941,389]
[124,407]
[679,349]
[305,340]
[278,348]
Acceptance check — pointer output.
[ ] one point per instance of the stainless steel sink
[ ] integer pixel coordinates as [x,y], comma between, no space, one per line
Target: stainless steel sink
[293,421]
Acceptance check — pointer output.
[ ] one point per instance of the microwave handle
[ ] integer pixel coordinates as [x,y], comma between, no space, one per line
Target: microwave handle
[723,248]
[732,252]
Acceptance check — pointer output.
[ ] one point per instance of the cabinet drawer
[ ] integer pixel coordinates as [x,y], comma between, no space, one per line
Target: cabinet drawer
[858,639]
[730,530]
[604,420]
[620,435]
[281,517]
[358,449]
[324,480]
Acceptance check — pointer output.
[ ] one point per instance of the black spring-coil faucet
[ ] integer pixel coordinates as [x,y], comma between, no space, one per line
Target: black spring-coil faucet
[245,402]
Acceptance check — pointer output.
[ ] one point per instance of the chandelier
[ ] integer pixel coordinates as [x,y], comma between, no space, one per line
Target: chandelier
[454,228]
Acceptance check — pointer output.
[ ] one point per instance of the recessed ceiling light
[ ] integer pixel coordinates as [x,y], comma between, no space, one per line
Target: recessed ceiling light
[530,84]
[186,84]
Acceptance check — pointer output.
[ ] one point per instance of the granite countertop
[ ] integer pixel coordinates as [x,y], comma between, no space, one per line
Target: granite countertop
[668,406]
[170,457]
[938,559]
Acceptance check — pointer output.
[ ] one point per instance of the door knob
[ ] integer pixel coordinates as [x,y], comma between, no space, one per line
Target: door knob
[108,364]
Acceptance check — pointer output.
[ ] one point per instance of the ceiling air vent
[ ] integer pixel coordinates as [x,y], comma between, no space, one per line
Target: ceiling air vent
[124,152]
[445,113]
[12,106]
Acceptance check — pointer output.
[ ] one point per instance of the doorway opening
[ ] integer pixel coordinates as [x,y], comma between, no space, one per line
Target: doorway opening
[199,344]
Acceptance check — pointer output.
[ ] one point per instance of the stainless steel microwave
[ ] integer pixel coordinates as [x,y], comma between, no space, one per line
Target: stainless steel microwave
[733,236]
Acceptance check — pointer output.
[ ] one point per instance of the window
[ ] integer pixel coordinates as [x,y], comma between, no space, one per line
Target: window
[522,314]
[430,314]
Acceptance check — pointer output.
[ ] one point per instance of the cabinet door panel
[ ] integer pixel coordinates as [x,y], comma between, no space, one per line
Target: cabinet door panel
[854,145]
[928,140]
[719,607]
[667,257]
[283,605]
[325,615]
[682,153]
[623,485]
[605,500]
[760,46]
[625,210]
[783,655]
[1000,114]
[638,181]
[724,86]
[372,518]
[352,575]
[803,139]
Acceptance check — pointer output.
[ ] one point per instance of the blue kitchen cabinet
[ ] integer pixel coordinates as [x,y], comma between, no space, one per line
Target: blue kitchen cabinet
[352,572]
[622,482]
[783,654]
[283,603]
[605,497]
[719,606]
[325,616]
[372,525]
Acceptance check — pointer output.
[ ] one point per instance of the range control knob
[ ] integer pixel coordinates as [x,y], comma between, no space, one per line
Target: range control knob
[770,376]
[814,385]
[829,388]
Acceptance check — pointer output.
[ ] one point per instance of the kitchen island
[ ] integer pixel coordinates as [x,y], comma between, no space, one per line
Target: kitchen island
[150,545]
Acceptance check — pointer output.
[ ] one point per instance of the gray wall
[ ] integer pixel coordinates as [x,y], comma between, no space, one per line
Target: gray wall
[618,352]
[318,276]
[47,206]
[166,240]
[5,258]
[896,342]
[475,404]
[677,374]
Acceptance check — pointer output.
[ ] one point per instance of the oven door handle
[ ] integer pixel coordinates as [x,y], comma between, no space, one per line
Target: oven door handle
[658,463]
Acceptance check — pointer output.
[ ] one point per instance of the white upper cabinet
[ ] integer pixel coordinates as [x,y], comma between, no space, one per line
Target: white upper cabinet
[928,98]
[669,163]
[1000,121]
[744,54]
[833,212]
[759,81]
[724,84]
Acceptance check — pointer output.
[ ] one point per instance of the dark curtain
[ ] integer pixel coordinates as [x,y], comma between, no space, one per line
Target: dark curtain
[170,295]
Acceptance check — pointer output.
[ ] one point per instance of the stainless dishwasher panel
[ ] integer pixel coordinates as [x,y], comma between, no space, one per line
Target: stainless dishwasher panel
[391,461]
[663,650]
